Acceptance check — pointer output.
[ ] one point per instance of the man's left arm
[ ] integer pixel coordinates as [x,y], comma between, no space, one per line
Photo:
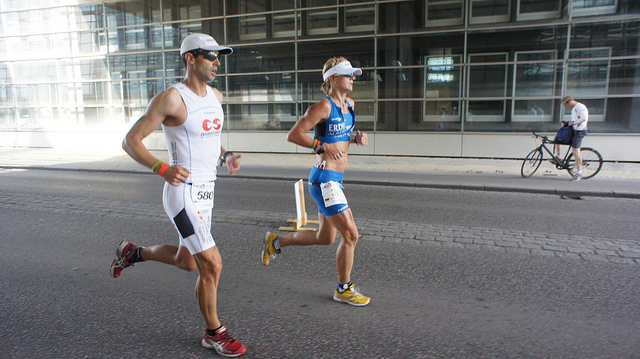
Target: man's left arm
[231,160]
[226,157]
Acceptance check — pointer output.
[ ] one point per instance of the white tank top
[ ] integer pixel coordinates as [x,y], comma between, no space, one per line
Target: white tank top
[195,145]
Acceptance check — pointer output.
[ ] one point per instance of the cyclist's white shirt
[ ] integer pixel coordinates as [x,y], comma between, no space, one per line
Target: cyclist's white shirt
[195,145]
[579,116]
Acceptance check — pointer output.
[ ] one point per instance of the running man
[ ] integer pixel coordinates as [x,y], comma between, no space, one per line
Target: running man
[333,120]
[191,116]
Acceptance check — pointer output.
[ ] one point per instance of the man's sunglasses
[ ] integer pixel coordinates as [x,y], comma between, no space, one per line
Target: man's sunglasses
[209,55]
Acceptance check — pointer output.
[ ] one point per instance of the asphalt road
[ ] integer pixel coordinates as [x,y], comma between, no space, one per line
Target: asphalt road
[60,229]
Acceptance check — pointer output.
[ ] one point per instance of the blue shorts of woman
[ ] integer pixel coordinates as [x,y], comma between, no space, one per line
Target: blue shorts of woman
[578,135]
[316,178]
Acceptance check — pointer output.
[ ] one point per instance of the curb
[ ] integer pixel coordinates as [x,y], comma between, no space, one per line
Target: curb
[453,186]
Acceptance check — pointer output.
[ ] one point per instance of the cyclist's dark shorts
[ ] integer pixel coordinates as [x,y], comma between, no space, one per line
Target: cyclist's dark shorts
[576,141]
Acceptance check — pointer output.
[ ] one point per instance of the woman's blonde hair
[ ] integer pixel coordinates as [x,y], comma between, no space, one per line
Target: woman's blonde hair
[326,86]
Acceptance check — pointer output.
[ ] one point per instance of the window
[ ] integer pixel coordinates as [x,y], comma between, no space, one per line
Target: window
[360,18]
[442,89]
[538,9]
[253,27]
[593,7]
[487,11]
[587,78]
[285,24]
[487,79]
[320,22]
[535,73]
[535,76]
[444,12]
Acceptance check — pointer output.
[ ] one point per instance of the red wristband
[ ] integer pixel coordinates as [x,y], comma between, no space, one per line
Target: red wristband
[163,168]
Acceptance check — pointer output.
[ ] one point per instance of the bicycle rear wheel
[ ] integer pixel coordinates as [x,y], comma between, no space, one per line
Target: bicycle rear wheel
[531,163]
[591,162]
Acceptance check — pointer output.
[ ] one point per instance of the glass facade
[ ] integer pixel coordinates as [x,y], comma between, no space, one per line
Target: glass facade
[430,65]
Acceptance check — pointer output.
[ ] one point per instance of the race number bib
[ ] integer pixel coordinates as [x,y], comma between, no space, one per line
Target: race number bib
[332,193]
[202,195]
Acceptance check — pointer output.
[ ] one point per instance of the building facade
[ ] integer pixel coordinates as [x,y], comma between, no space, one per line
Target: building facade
[459,78]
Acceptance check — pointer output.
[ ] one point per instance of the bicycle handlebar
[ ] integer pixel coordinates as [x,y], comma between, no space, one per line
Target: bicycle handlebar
[546,138]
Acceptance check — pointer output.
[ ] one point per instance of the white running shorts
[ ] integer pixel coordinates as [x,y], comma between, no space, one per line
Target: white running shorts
[193,225]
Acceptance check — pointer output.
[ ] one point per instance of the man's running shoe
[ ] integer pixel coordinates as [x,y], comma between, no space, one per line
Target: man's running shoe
[223,343]
[351,296]
[578,176]
[123,254]
[269,251]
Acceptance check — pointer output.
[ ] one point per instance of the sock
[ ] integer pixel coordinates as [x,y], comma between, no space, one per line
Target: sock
[343,287]
[212,332]
[276,245]
[135,256]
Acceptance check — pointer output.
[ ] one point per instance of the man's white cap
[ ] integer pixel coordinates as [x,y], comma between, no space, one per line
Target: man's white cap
[204,42]
[342,68]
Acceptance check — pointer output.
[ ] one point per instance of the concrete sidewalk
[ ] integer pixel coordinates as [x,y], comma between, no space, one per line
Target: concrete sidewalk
[614,180]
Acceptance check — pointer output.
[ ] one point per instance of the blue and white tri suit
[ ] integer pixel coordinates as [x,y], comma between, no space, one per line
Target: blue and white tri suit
[337,128]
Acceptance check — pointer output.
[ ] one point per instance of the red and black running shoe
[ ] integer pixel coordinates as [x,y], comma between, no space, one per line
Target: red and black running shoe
[223,343]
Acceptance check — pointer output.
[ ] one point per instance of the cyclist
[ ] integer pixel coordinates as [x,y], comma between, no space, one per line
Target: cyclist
[579,119]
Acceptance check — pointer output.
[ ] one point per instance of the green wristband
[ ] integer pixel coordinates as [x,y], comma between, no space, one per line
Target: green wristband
[153,168]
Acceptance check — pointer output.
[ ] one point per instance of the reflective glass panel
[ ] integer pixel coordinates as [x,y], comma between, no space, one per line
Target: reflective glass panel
[313,55]
[401,82]
[444,12]
[136,66]
[412,50]
[275,57]
[533,110]
[622,37]
[587,77]
[174,10]
[624,77]
[135,38]
[360,18]
[126,13]
[533,6]
[262,88]
[487,80]
[394,17]
[535,78]
[88,16]
[90,42]
[7,119]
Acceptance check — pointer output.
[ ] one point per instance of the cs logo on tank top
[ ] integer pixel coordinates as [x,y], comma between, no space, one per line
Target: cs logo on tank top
[208,125]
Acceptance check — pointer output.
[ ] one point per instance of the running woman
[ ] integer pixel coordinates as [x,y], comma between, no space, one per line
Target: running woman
[191,116]
[333,121]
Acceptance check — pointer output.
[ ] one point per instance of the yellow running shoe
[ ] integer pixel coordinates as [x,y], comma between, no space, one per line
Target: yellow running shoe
[269,250]
[351,296]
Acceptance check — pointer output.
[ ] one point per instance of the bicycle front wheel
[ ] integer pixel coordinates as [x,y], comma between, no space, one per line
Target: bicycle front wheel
[531,163]
[591,162]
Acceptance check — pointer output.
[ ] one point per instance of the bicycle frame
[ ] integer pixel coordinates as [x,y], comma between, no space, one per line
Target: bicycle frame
[563,164]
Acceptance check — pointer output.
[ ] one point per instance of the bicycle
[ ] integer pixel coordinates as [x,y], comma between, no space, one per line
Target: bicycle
[591,159]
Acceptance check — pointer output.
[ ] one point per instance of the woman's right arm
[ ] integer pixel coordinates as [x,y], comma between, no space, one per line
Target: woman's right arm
[314,115]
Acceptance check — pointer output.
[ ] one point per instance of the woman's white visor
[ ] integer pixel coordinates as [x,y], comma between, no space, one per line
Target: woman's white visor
[343,68]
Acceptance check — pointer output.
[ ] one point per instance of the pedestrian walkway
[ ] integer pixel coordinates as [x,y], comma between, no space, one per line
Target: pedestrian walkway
[620,180]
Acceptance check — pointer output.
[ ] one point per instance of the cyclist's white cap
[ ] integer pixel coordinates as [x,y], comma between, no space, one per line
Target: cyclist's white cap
[204,42]
[342,68]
